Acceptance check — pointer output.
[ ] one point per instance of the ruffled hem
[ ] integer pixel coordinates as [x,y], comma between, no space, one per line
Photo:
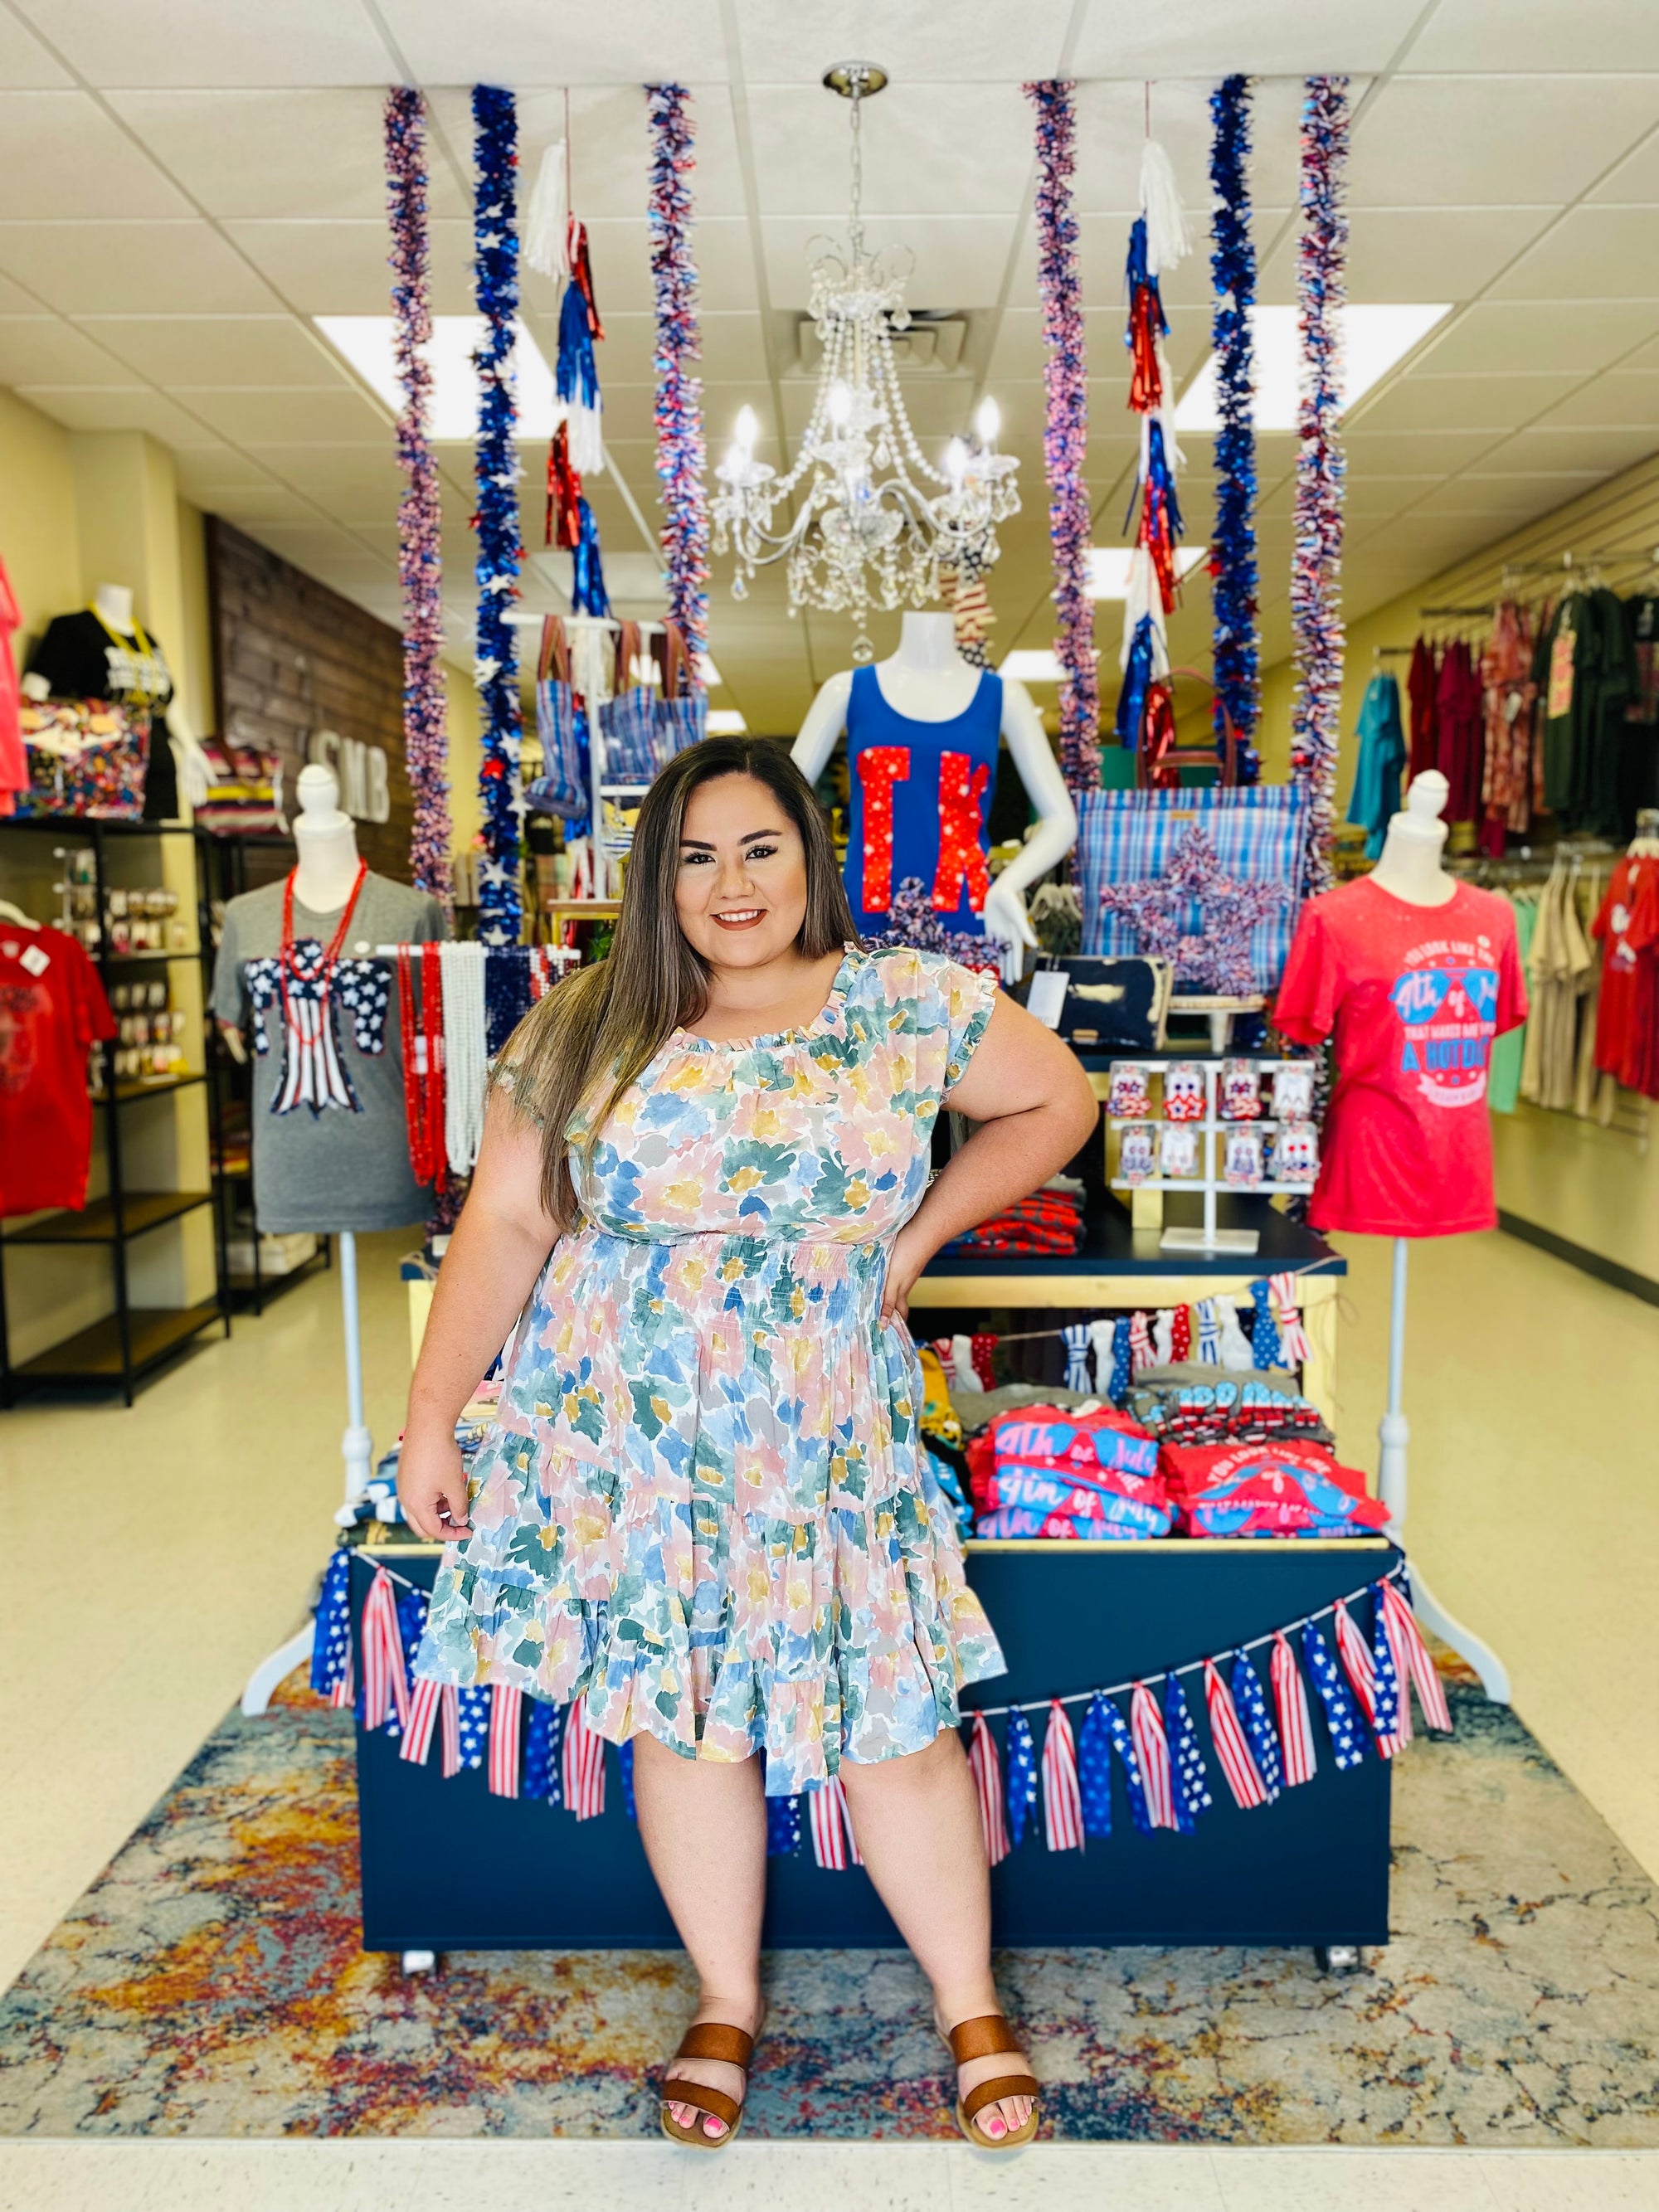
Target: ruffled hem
[852,1642]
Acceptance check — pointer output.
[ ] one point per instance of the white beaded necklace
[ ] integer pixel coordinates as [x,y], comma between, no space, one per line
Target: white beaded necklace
[464,1053]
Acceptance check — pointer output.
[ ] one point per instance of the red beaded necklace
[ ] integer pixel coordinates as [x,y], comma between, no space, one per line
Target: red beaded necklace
[288,962]
[423,1059]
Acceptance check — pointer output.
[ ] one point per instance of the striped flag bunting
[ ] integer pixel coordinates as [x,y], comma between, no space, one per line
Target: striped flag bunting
[1294,1721]
[1152,1750]
[986,1768]
[1062,1801]
[1230,1746]
[1263,1737]
[625,1774]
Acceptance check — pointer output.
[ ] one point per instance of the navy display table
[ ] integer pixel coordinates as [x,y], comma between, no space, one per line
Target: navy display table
[448,1867]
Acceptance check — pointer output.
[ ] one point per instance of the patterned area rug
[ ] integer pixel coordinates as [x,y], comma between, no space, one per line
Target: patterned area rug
[210,1983]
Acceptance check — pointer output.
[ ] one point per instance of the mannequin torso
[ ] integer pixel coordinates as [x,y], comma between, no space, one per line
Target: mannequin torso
[114,603]
[327,866]
[1409,867]
[926,681]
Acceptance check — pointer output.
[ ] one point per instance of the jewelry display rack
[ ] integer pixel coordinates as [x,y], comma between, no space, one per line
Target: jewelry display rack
[1211,1182]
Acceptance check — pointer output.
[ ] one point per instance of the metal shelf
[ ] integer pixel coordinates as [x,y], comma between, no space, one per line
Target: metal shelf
[94,1354]
[103,1223]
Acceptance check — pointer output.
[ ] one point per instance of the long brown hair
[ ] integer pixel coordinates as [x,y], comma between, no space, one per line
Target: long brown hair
[605,1022]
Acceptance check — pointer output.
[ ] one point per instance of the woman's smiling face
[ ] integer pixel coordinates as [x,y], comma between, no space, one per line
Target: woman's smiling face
[740,890]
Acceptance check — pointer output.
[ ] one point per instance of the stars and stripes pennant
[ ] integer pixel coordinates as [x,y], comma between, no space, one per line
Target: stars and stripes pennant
[583,1775]
[1152,1751]
[1094,1769]
[541,1752]
[413,1607]
[1293,1338]
[423,1719]
[1189,1784]
[449,1732]
[1264,1336]
[1141,1355]
[782,1826]
[625,1772]
[1231,1746]
[385,1685]
[331,1647]
[1250,1703]
[1209,1332]
[1394,1704]
[834,1844]
[1412,1658]
[1295,1734]
[1346,1731]
[987,1771]
[505,1713]
[1378,1695]
[1077,1340]
[472,1714]
[1022,1778]
[1062,1802]
[1123,1744]
[1119,1382]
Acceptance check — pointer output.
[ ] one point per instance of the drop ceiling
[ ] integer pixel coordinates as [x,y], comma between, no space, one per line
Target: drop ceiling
[187,185]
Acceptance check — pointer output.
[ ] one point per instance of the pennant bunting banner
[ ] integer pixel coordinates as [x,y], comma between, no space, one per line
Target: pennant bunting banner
[1062,1802]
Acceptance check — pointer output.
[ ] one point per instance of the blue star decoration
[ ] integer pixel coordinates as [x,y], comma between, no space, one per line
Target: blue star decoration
[1216,957]
[473,1714]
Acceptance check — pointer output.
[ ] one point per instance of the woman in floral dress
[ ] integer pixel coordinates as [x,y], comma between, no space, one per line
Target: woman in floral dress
[703,1198]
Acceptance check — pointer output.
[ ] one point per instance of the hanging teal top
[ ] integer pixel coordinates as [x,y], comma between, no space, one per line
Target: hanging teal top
[1375,794]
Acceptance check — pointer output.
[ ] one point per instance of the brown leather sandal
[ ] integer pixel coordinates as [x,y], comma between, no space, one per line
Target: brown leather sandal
[708,2039]
[982,2039]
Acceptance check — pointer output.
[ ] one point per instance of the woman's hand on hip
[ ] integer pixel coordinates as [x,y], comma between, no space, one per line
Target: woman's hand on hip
[432,1487]
[910,1253]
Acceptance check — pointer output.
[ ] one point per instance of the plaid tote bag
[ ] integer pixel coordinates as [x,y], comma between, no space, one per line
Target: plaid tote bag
[629,721]
[683,704]
[1260,835]
[562,787]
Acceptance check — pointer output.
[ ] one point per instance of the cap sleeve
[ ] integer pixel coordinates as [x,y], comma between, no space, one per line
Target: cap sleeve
[970,997]
[1305,1008]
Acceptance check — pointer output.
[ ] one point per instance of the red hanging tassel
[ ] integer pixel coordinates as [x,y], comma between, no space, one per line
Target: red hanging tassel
[1411,1660]
[1295,1734]
[564,492]
[1145,383]
[505,1706]
[581,276]
[834,1844]
[1062,1799]
[1232,1746]
[584,1765]
[1152,1750]
[987,1770]
[385,1686]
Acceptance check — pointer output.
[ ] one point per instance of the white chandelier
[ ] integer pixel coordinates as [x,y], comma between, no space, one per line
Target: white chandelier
[866,520]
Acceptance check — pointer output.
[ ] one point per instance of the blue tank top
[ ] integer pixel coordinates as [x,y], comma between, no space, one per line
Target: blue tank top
[922,796]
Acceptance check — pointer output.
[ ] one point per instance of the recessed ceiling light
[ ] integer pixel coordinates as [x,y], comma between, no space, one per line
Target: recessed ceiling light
[366,341]
[727,722]
[1032,665]
[1373,340]
[1109,567]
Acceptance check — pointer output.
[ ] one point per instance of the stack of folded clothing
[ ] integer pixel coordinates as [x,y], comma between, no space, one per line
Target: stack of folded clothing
[1286,1488]
[1194,1403]
[1085,1473]
[1050,1222]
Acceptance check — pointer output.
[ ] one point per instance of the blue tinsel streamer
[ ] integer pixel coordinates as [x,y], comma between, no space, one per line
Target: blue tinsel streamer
[577,377]
[1137,682]
[1234,589]
[587,592]
[501,549]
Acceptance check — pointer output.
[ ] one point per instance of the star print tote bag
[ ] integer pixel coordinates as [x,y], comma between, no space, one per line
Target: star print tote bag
[562,787]
[1258,833]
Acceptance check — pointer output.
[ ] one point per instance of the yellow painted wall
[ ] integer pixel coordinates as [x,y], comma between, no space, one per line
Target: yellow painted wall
[1620,516]
[39,539]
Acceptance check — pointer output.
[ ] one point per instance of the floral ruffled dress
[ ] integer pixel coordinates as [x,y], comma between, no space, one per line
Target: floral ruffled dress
[703,1508]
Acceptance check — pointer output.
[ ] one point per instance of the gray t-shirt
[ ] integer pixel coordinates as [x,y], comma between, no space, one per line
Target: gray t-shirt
[345,1166]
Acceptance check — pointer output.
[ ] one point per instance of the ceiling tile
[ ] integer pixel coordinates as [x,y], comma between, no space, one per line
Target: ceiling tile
[121,268]
[1207,39]
[173,42]
[620,250]
[1110,117]
[1374,499]
[1498,402]
[1504,501]
[209,473]
[251,506]
[1418,253]
[115,407]
[25,64]
[311,545]
[277,153]
[1592,253]
[315,468]
[1623,398]
[955,149]
[303,417]
[609,148]
[1635,181]
[46,350]
[218,349]
[986,40]
[1400,453]
[1495,141]
[1540,34]
[1598,450]
[1493,335]
[65,159]
[517,41]
[340,268]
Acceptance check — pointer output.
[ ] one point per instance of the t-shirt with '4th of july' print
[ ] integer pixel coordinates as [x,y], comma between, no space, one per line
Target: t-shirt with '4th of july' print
[1413,997]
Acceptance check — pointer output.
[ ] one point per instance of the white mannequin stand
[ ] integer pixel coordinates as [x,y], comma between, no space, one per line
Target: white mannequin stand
[1410,869]
[928,681]
[326,869]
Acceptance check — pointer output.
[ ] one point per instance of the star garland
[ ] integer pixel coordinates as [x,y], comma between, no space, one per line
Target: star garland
[420,560]
[1066,433]
[1233,591]
[501,551]
[681,452]
[1316,573]
[1216,957]
[911,920]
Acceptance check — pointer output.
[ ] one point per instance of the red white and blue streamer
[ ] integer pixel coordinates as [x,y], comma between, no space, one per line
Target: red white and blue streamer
[1066,432]
[420,517]
[1316,563]
[1234,583]
[986,1767]
[501,549]
[1062,1802]
[682,454]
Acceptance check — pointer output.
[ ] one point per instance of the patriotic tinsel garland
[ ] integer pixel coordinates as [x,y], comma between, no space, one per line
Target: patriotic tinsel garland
[1261,1737]
[1066,433]
[420,570]
[501,551]
[1233,582]
[681,453]
[1316,567]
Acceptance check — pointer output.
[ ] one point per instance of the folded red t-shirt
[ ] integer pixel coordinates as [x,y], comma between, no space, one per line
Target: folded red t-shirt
[1287,1488]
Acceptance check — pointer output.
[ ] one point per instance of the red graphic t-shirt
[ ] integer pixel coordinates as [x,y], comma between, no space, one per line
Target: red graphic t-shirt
[1628,926]
[1414,996]
[52,1008]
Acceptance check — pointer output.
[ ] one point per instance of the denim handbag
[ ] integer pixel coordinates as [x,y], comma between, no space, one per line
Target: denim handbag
[562,787]
[628,722]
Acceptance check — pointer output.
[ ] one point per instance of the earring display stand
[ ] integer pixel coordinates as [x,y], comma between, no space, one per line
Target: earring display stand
[1210,1181]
